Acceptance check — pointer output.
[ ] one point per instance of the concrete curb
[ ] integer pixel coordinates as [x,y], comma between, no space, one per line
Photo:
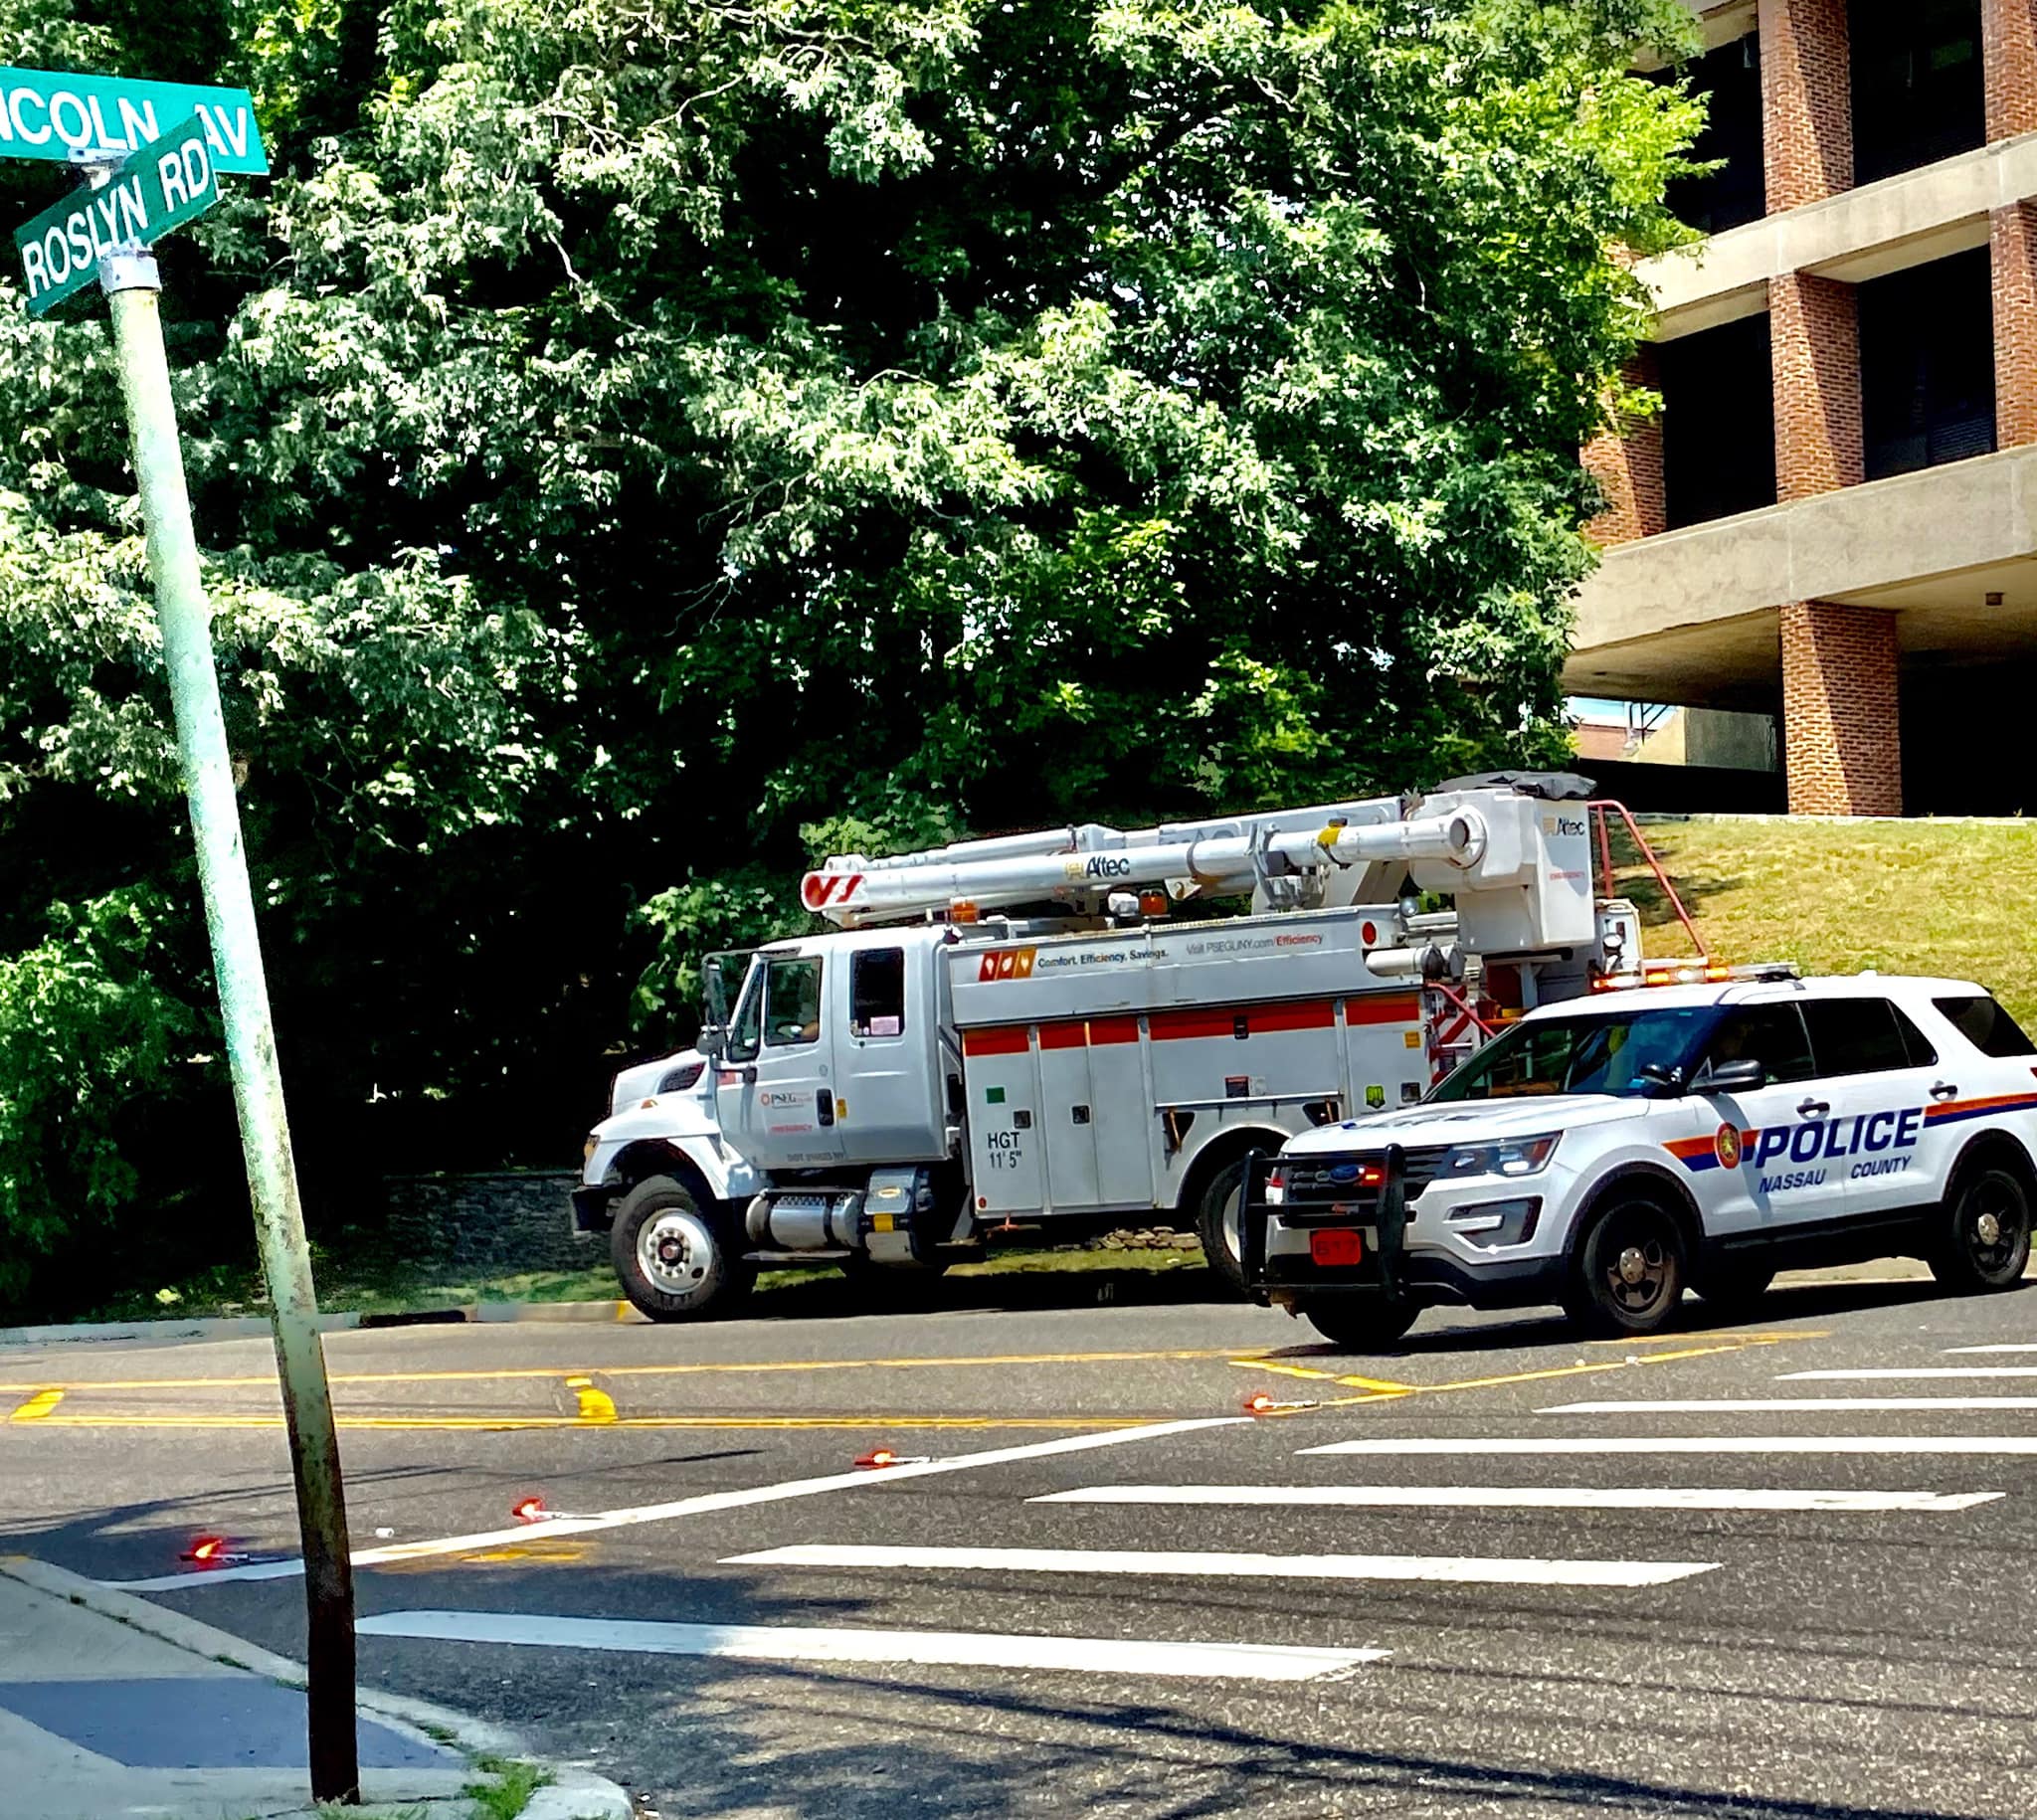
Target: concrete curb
[574,1794]
[249,1326]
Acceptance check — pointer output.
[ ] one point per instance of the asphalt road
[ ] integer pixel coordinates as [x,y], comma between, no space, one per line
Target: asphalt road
[1543,1576]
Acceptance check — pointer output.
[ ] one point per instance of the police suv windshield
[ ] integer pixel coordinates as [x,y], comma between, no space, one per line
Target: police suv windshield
[1602,1052]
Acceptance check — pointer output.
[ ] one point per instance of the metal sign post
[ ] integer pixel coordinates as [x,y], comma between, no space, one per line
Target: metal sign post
[168,177]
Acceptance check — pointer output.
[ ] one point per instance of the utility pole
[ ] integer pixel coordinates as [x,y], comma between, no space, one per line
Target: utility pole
[145,183]
[185,616]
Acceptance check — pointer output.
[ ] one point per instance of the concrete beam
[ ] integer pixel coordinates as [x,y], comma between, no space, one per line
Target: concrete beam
[1865,232]
[1851,545]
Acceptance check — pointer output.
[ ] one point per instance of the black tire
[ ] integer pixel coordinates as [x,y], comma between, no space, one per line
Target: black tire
[1216,1226]
[1735,1288]
[676,1259]
[1629,1271]
[1982,1241]
[1360,1324]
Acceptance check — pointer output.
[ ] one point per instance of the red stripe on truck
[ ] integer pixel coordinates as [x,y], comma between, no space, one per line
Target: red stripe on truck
[994,1043]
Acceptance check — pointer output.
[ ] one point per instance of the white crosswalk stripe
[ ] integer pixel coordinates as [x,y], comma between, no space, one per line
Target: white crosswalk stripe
[1457,1569]
[1758,1405]
[1522,1497]
[1983,1444]
[1893,1373]
[841,1643]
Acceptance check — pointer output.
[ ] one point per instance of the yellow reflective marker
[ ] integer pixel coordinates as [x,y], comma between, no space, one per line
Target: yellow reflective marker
[595,1405]
[37,1407]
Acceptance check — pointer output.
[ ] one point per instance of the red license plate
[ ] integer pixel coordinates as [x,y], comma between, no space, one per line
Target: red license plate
[1337,1247]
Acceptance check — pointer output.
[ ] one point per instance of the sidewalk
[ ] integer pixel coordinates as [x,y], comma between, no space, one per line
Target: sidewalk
[111,1707]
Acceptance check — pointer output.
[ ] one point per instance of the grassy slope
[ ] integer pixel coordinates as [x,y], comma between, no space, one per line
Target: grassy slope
[1940,897]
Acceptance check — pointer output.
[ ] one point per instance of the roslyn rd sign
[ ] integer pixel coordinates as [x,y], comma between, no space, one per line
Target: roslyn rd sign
[73,120]
[159,188]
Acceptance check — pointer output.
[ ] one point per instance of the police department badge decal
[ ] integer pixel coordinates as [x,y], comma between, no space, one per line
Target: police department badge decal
[1726,1147]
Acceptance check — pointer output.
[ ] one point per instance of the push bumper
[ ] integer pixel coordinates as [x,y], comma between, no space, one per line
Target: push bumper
[1286,1252]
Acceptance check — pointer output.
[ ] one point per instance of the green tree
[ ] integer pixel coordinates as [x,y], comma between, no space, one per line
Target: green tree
[632,435]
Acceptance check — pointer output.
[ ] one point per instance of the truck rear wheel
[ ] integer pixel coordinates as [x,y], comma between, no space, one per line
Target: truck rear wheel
[673,1257]
[1220,1223]
[1360,1324]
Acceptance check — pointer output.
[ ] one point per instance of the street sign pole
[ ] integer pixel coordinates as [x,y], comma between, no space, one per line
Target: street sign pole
[185,615]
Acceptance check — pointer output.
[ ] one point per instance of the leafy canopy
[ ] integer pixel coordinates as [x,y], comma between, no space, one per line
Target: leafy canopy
[630,433]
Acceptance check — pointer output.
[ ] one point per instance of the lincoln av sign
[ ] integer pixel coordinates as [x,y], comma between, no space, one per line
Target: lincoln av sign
[73,120]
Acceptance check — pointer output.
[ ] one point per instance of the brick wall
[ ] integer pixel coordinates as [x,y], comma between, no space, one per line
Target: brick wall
[2009,50]
[1807,99]
[2012,235]
[1814,335]
[1842,748]
[1626,461]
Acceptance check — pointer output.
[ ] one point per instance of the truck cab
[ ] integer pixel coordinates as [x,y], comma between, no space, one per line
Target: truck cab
[833,1054]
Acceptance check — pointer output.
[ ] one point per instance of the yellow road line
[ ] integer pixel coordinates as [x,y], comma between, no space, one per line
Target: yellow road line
[1738,1343]
[479,1375]
[497,1425]
[37,1407]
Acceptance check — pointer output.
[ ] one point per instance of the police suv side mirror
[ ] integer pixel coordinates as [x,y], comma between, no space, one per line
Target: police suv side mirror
[1733,1077]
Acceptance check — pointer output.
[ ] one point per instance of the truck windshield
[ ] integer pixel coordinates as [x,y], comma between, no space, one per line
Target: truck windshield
[1589,1054]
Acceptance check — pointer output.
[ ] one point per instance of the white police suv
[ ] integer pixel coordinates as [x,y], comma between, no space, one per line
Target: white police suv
[1607,1154]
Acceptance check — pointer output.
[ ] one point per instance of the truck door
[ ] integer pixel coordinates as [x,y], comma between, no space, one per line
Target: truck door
[1876,1071]
[777,1066]
[887,1084]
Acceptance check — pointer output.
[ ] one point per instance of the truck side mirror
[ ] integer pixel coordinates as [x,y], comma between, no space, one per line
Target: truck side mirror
[711,1041]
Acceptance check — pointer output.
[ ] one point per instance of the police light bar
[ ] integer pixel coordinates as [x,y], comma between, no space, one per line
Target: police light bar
[1697,973]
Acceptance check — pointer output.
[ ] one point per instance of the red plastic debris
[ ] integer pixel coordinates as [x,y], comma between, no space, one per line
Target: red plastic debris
[207,1549]
[529,1510]
[879,1457]
[1259,1404]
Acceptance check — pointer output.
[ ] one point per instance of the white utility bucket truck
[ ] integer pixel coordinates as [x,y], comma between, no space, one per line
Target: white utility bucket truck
[1052,1030]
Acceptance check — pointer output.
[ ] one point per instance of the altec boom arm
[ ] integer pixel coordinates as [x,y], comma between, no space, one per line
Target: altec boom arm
[1088,862]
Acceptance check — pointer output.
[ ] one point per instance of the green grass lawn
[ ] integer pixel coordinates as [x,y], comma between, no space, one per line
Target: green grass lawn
[1933,897]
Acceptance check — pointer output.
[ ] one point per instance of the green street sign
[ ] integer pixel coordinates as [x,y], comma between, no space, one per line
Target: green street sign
[76,118]
[160,188]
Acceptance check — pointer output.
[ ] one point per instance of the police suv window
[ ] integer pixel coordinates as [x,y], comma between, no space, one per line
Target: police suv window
[1863,1036]
[1772,1034]
[876,993]
[1984,1025]
[792,1001]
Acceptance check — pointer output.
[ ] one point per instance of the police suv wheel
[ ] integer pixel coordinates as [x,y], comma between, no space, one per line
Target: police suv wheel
[1220,1219]
[1984,1233]
[672,1257]
[1360,1324]
[1628,1274]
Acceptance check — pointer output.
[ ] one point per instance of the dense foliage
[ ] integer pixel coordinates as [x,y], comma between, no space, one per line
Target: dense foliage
[638,441]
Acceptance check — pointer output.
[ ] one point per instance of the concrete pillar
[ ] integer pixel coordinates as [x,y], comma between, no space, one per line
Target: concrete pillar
[2008,50]
[1626,461]
[1806,101]
[2012,238]
[1841,747]
[1815,348]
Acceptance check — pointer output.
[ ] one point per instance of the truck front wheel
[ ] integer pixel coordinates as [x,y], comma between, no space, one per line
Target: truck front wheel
[673,1257]
[1219,1225]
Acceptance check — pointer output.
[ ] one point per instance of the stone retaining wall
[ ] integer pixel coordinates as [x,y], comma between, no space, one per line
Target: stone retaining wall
[501,1224]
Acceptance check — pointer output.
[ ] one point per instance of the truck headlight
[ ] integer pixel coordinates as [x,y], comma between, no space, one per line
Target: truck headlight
[1503,1156]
